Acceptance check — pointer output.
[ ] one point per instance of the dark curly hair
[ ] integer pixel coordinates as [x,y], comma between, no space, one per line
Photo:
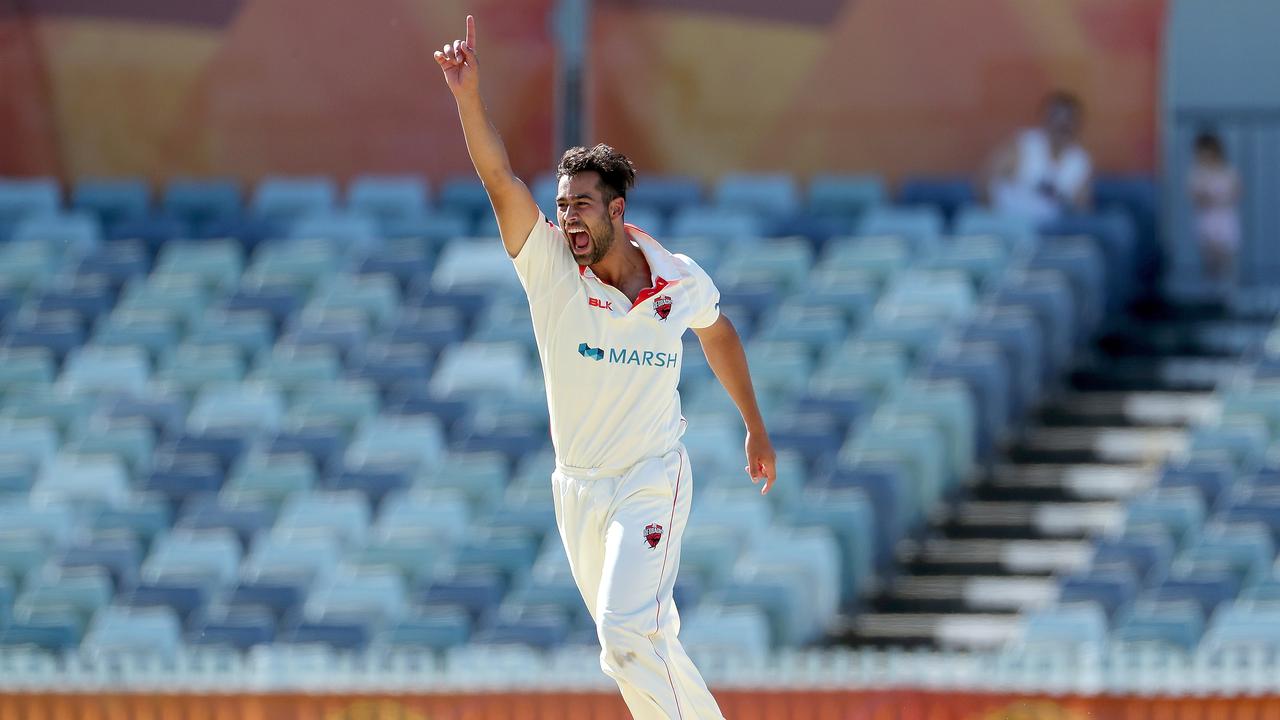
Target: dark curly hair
[615,170]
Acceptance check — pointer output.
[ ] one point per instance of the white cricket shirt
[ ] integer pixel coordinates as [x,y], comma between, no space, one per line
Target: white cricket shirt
[611,367]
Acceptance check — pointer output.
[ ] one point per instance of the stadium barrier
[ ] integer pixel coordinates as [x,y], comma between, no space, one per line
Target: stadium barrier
[738,705]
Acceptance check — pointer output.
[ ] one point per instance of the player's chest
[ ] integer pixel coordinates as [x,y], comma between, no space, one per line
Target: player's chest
[663,309]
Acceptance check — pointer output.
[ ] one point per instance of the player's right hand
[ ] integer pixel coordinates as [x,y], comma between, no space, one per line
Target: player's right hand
[459,63]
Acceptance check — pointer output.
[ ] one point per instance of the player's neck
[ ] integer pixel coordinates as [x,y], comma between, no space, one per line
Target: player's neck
[623,265]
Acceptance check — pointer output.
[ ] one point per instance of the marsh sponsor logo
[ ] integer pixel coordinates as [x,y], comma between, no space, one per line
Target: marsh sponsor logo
[625,356]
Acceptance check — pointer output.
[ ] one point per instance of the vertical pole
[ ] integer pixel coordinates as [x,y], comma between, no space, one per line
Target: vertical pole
[571,28]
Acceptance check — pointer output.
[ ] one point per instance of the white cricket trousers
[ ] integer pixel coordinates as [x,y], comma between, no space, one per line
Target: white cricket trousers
[610,523]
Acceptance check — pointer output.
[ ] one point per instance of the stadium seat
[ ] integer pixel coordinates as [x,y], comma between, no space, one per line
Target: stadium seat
[921,228]
[947,195]
[1171,624]
[212,556]
[273,478]
[389,198]
[198,201]
[740,631]
[845,196]
[723,223]
[665,193]
[1017,234]
[290,198]
[1074,625]
[24,197]
[775,195]
[112,200]
[73,233]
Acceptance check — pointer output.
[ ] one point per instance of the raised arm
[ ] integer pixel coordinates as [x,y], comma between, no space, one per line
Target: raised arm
[512,202]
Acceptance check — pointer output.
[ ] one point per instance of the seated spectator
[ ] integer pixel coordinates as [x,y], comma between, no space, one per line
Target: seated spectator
[1043,171]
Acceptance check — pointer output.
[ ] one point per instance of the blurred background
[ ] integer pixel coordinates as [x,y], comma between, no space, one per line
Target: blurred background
[273,439]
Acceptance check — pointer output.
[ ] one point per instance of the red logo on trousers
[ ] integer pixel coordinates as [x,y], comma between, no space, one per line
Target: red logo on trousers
[653,534]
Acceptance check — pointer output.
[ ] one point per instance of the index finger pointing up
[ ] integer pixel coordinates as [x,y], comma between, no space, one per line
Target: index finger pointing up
[471,32]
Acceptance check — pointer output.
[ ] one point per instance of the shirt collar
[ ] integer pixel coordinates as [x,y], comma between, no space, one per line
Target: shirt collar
[662,264]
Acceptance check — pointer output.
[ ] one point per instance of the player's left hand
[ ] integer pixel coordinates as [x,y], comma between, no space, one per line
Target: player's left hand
[762,461]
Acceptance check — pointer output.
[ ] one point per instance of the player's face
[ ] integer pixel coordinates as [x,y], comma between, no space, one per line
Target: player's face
[584,217]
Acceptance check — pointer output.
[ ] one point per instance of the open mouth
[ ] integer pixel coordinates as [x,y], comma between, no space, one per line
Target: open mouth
[579,241]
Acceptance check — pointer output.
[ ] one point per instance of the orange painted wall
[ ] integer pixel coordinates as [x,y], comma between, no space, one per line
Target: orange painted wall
[248,87]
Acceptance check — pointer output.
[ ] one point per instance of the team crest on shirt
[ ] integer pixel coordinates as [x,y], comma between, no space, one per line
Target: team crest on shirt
[653,534]
[662,306]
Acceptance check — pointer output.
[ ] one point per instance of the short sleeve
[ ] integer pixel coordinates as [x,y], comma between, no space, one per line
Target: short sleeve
[706,295]
[544,262]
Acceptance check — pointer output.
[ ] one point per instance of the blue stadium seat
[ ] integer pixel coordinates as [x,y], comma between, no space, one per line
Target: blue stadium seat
[57,332]
[406,260]
[24,197]
[1016,233]
[1067,625]
[198,201]
[238,626]
[1112,589]
[882,483]
[56,629]
[183,594]
[479,592]
[438,626]
[340,633]
[1173,624]
[290,198]
[249,232]
[537,626]
[1113,233]
[116,262]
[982,367]
[1208,587]
[1148,554]
[112,200]
[845,196]
[775,195]
[1207,477]
[352,231]
[921,228]
[245,518]
[1180,511]
[465,195]
[946,194]
[724,223]
[280,592]
[71,233]
[151,232]
[389,198]
[665,193]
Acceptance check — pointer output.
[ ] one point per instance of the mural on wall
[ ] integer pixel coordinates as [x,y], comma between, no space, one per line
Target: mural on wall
[248,87]
[928,86]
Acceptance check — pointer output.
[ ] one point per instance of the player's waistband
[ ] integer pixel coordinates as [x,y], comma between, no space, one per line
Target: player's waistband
[596,473]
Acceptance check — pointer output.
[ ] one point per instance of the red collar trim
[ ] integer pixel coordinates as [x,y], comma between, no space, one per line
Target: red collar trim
[649,292]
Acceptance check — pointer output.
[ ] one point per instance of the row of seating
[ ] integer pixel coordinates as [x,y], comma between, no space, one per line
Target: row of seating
[743,204]
[315,440]
[1195,564]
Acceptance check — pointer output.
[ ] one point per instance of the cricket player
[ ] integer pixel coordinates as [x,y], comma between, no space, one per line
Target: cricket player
[609,306]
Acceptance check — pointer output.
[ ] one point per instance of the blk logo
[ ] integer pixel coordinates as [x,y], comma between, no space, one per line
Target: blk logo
[587,351]
[602,304]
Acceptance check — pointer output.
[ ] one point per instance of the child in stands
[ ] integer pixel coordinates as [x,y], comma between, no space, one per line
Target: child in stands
[1215,195]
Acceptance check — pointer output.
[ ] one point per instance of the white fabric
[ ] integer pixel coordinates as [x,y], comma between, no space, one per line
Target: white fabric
[611,370]
[626,579]
[1023,194]
[1217,217]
